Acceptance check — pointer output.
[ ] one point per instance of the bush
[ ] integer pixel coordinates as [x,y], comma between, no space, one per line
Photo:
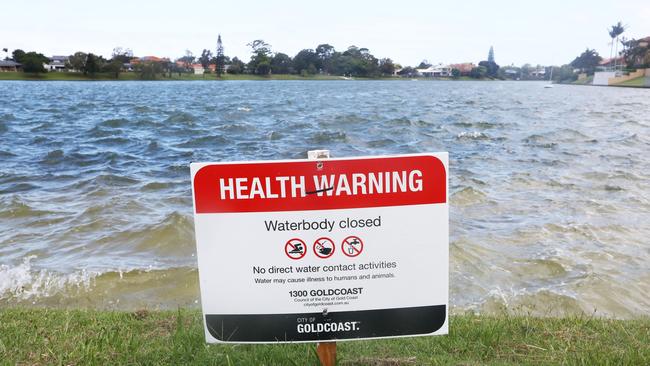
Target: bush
[234,69]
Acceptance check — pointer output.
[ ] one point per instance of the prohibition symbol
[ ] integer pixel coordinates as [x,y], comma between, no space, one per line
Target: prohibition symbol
[295,248]
[324,247]
[352,246]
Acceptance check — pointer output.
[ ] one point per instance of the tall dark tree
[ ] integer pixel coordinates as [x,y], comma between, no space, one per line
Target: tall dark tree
[616,30]
[261,54]
[587,61]
[206,57]
[6,51]
[92,65]
[305,62]
[33,62]
[18,55]
[220,59]
[281,64]
[386,66]
[325,53]
[491,67]
[491,55]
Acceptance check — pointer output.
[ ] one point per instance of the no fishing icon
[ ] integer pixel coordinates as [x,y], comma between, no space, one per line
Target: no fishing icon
[324,247]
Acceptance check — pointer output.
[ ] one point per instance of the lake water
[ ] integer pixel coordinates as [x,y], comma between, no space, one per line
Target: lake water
[549,188]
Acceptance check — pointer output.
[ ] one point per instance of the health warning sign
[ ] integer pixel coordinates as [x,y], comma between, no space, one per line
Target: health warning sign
[316,250]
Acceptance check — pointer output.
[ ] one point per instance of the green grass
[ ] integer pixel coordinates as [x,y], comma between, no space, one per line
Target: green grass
[91,337]
[638,82]
[587,81]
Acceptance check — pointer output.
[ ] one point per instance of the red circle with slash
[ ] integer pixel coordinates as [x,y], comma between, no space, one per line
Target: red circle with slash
[295,248]
[352,246]
[324,247]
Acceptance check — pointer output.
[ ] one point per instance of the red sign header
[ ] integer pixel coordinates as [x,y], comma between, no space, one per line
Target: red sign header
[320,185]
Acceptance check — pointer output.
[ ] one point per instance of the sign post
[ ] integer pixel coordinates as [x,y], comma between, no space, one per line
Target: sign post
[326,351]
[324,250]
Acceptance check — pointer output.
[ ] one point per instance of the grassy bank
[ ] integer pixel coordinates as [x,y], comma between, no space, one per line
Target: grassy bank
[88,337]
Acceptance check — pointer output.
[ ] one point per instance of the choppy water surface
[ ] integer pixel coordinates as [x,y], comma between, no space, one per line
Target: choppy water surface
[550,193]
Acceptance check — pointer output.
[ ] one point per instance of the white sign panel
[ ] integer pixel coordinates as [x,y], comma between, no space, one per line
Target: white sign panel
[338,249]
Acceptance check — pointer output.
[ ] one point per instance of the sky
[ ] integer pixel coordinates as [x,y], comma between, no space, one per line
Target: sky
[550,32]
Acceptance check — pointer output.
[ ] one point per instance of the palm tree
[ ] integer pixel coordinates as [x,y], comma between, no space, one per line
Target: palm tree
[615,32]
[6,51]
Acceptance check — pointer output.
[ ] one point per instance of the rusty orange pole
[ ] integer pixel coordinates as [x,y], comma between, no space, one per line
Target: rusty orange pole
[326,352]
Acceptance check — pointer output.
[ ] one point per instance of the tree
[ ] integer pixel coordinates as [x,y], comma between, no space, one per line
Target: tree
[637,54]
[92,65]
[407,71]
[455,73]
[478,72]
[77,61]
[491,68]
[325,52]
[33,62]
[236,66]
[386,66]
[124,55]
[491,55]
[220,59]
[148,70]
[18,55]
[281,64]
[587,61]
[114,67]
[303,60]
[206,57]
[187,60]
[616,30]
[6,51]
[424,65]
[263,68]
[261,53]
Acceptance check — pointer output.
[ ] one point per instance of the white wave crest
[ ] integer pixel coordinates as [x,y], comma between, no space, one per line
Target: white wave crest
[22,282]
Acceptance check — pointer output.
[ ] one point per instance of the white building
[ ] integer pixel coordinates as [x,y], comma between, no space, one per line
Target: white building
[198,69]
[57,63]
[436,71]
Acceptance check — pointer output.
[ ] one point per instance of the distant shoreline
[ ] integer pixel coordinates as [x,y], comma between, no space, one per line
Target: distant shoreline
[130,76]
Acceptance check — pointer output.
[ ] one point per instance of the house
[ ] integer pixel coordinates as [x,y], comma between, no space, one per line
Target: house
[9,66]
[464,68]
[539,72]
[609,63]
[57,63]
[138,60]
[198,69]
[511,73]
[644,42]
[435,71]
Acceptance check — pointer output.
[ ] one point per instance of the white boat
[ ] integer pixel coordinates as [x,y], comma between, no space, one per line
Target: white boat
[550,80]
